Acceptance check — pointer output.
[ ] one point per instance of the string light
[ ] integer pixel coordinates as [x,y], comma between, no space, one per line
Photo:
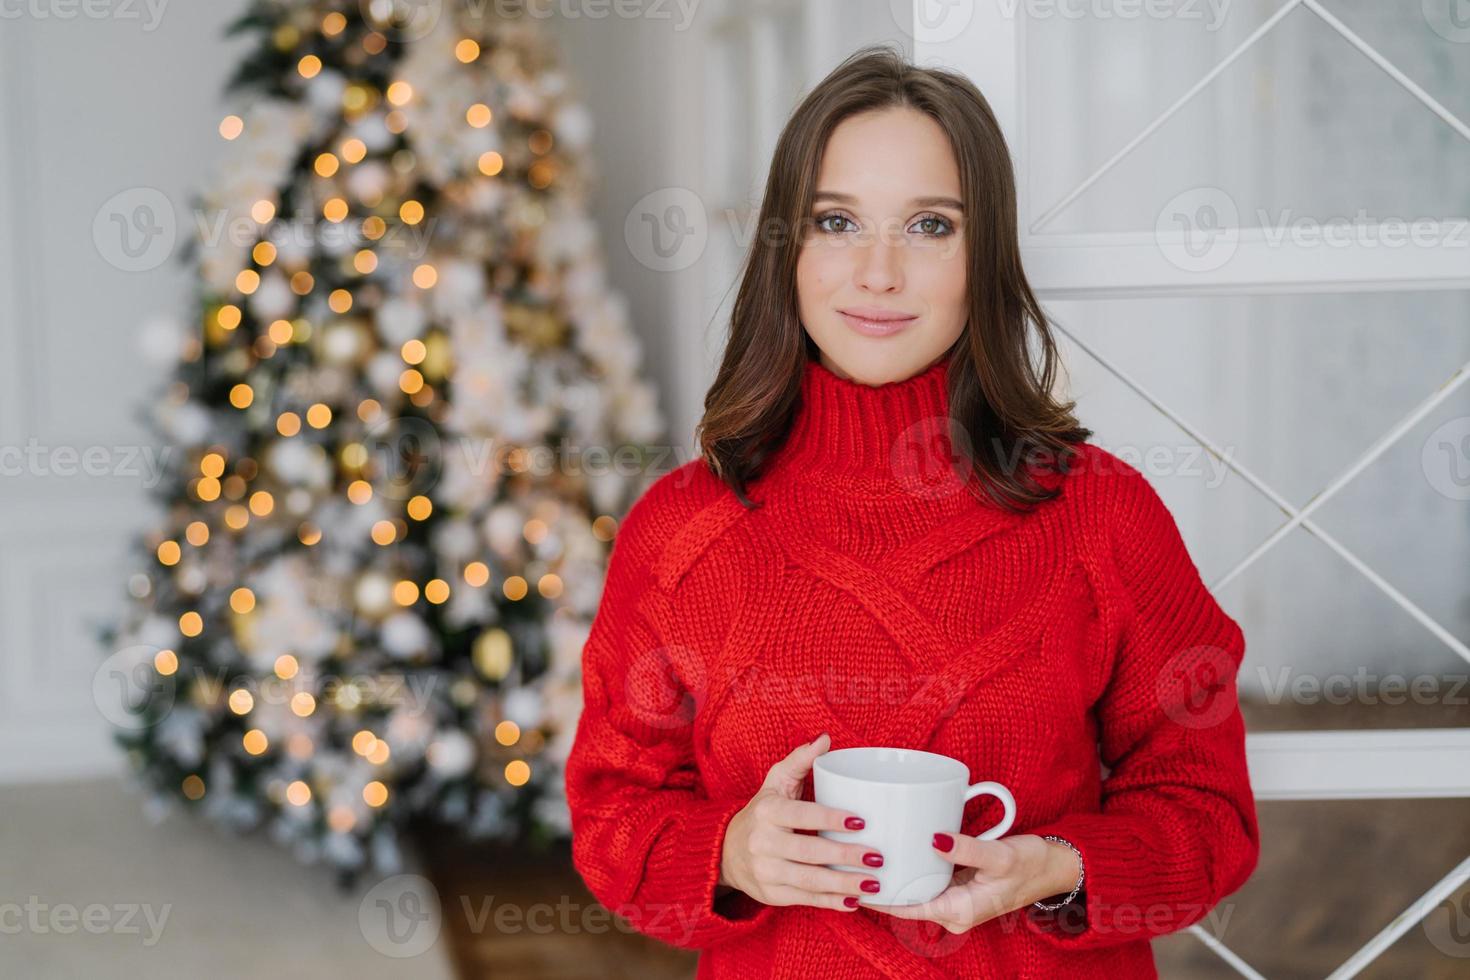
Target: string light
[365,261]
[399,93]
[478,115]
[491,163]
[169,553]
[262,503]
[411,212]
[231,127]
[309,66]
[515,588]
[262,211]
[326,164]
[425,276]
[476,574]
[467,50]
[241,395]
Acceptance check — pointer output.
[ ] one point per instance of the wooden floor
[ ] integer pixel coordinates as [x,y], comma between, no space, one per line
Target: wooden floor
[1332,874]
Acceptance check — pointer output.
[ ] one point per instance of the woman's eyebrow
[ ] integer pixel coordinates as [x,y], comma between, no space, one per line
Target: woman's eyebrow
[918,202]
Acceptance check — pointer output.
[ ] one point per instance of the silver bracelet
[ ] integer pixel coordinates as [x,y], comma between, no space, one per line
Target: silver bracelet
[1081,872]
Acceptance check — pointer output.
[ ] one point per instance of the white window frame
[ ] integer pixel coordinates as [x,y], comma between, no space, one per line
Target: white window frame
[1318,765]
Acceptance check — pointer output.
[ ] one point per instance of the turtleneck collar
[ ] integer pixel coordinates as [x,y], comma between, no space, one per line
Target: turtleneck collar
[880,437]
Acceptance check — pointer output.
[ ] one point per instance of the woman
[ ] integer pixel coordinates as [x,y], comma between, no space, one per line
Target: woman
[895,536]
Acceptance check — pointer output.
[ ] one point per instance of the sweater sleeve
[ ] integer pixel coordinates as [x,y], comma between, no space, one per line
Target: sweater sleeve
[1177,829]
[646,838]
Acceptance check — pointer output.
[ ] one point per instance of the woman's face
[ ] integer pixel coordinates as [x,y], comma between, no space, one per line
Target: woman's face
[881,276]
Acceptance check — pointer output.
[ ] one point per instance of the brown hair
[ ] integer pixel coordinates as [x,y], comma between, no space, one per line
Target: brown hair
[998,397]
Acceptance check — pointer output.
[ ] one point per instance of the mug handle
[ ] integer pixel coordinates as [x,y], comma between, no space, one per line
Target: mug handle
[1006,799]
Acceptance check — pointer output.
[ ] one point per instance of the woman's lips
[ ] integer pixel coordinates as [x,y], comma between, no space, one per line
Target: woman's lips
[876,328]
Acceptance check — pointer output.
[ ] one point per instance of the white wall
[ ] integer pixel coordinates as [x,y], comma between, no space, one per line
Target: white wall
[89,107]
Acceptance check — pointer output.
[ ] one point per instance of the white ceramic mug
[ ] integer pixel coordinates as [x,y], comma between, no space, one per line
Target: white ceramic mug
[905,797]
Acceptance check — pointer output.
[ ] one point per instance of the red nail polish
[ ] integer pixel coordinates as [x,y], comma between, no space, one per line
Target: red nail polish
[873,859]
[851,901]
[872,887]
[943,842]
[854,823]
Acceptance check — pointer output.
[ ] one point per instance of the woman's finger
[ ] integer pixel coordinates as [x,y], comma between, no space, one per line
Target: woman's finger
[990,858]
[806,815]
[817,879]
[806,849]
[790,895]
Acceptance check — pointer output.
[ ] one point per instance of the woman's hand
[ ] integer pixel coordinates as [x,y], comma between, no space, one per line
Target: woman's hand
[993,877]
[766,856]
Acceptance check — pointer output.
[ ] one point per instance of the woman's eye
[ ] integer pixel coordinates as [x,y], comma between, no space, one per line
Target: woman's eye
[935,226]
[822,222]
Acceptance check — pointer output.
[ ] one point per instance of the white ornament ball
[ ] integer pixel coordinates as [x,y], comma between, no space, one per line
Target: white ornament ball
[451,753]
[374,593]
[404,635]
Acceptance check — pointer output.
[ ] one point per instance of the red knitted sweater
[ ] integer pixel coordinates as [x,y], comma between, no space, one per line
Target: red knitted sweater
[1071,653]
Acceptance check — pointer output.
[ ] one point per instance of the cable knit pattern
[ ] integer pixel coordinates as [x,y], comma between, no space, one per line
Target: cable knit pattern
[1072,653]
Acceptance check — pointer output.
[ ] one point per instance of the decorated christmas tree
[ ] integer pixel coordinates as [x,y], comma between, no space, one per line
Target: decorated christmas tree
[404,416]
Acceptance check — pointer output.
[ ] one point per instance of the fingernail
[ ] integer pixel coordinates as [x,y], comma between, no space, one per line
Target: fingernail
[873,859]
[854,823]
[819,738]
[943,842]
[872,887]
[850,901]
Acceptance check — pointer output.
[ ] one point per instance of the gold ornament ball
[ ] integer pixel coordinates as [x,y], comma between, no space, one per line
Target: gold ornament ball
[493,653]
